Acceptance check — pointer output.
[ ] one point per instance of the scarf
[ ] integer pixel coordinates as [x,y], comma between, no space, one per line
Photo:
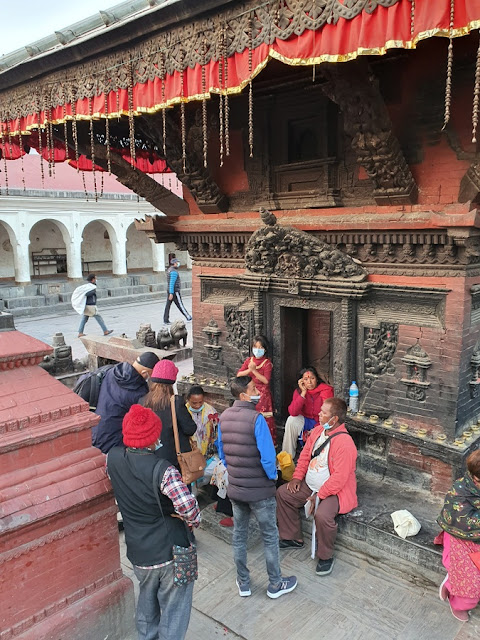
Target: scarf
[460,516]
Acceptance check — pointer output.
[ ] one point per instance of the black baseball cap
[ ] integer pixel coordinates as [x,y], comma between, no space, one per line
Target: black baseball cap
[147,359]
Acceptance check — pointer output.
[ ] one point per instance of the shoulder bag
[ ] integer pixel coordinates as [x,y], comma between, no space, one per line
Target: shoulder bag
[185,564]
[192,463]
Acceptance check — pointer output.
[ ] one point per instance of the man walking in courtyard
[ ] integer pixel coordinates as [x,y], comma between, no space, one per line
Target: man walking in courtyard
[173,292]
[84,301]
[246,448]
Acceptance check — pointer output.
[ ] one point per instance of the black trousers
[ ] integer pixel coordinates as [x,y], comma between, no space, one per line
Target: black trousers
[177,299]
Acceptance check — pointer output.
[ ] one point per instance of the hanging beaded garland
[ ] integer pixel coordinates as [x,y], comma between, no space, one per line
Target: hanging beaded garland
[183,125]
[131,122]
[65,123]
[164,115]
[250,88]
[74,128]
[221,61]
[448,85]
[92,147]
[476,95]
[21,147]
[107,138]
[2,138]
[204,104]
[40,142]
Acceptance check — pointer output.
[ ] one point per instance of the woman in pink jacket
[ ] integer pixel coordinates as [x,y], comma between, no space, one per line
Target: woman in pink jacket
[324,481]
[304,408]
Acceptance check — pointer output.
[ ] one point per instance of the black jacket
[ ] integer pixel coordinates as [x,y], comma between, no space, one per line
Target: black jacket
[149,536]
[121,387]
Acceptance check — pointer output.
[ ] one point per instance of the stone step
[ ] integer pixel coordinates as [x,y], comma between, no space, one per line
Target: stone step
[368,530]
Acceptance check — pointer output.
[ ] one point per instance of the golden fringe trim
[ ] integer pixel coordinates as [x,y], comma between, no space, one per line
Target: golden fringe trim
[272,55]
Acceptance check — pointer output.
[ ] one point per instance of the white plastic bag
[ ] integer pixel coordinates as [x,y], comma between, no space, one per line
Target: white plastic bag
[405,524]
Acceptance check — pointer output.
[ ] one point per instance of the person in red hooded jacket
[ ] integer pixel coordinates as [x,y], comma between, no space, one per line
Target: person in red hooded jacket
[304,408]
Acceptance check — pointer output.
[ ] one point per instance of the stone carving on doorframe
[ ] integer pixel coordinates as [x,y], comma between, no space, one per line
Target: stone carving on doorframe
[240,328]
[213,334]
[418,362]
[475,366]
[289,253]
[379,347]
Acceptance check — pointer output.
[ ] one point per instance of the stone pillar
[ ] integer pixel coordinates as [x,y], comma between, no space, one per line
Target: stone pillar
[74,258]
[158,256]
[58,533]
[119,254]
[21,261]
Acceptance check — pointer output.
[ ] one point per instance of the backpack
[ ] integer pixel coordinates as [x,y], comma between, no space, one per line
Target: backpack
[88,386]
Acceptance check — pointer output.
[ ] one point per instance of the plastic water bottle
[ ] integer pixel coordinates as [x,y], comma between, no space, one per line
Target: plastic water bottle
[353,398]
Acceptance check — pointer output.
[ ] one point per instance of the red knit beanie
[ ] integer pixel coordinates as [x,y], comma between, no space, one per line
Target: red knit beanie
[164,372]
[141,427]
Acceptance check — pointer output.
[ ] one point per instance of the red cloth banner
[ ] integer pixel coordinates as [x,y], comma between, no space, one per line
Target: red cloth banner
[366,34]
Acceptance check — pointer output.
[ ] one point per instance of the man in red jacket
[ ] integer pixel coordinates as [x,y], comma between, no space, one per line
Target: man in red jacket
[324,480]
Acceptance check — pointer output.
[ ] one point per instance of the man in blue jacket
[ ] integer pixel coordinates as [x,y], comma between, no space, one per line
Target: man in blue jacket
[246,448]
[173,292]
[123,385]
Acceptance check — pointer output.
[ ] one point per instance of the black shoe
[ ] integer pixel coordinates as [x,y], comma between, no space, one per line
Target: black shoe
[167,322]
[324,567]
[290,544]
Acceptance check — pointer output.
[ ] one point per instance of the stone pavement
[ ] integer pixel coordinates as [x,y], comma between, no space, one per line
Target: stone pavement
[359,600]
[124,318]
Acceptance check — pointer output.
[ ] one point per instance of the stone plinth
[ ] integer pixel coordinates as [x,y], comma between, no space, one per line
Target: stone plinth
[58,527]
[103,350]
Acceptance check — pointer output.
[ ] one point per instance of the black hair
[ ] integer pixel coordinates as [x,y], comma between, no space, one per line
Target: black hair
[91,277]
[195,390]
[239,385]
[312,370]
[263,341]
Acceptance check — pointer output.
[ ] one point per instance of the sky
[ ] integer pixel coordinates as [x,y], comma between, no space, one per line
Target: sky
[30,20]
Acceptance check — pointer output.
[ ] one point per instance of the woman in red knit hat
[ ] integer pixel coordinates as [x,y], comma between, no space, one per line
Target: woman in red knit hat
[163,378]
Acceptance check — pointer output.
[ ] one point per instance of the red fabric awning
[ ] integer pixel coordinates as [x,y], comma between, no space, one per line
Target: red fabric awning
[375,28]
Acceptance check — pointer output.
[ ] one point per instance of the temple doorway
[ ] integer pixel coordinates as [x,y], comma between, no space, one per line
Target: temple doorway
[306,340]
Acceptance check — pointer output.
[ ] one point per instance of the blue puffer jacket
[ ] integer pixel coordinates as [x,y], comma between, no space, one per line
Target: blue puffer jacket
[121,387]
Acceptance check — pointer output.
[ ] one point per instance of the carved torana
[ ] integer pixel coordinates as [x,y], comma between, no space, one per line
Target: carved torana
[289,253]
[355,89]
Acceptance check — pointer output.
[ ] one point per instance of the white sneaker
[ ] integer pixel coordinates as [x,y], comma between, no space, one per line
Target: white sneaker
[243,590]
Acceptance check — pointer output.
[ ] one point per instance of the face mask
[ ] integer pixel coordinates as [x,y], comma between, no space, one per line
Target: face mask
[327,425]
[158,445]
[254,399]
[199,410]
[177,264]
[258,353]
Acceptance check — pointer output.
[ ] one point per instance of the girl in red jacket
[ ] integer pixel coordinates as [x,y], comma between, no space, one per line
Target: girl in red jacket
[259,367]
[304,408]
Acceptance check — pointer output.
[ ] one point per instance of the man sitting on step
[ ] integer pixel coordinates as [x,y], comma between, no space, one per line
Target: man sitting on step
[324,481]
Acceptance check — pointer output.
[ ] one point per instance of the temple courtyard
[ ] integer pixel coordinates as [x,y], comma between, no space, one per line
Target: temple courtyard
[361,599]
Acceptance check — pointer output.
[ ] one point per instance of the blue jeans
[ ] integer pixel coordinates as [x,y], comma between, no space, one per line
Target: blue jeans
[97,317]
[163,610]
[265,512]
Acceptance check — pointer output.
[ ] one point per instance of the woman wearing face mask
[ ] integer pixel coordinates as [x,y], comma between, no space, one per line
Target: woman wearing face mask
[259,367]
[304,408]
[206,419]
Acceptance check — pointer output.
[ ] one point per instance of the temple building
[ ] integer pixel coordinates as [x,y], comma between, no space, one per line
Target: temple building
[331,179]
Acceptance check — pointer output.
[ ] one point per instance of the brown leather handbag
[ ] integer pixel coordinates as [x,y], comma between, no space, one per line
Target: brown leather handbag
[192,463]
